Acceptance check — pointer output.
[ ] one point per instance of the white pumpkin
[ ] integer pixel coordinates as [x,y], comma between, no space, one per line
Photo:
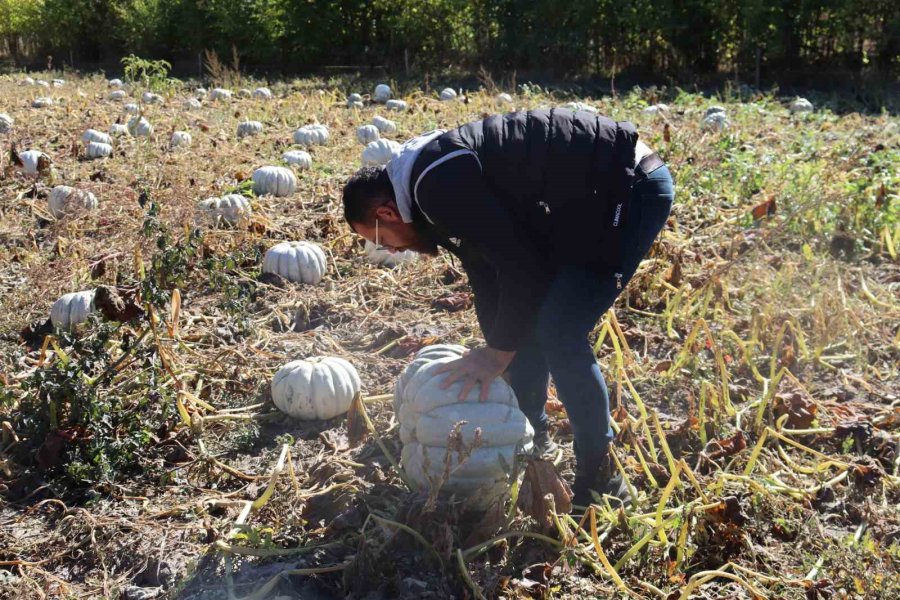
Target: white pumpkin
[220,94]
[367,133]
[355,101]
[655,109]
[200,92]
[246,128]
[6,123]
[244,93]
[262,93]
[387,258]
[92,135]
[180,139]
[383,93]
[423,357]
[581,107]
[504,99]
[118,129]
[151,98]
[65,200]
[297,158]
[311,135]
[191,104]
[801,105]
[138,126]
[429,413]
[96,150]
[42,83]
[132,109]
[31,161]
[316,388]
[384,125]
[117,95]
[275,181]
[714,109]
[397,105]
[71,309]
[299,262]
[58,82]
[28,81]
[230,208]
[380,152]
[115,83]
[42,102]
[714,121]
[448,94]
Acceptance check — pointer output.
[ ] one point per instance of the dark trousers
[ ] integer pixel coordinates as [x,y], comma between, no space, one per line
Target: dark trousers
[575,302]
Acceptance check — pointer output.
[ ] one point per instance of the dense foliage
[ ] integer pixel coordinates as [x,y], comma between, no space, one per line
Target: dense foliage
[678,37]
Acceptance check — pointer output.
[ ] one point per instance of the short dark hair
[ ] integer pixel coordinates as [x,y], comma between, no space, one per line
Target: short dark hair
[367,189]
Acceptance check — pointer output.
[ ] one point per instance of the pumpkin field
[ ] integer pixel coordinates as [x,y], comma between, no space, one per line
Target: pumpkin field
[174,262]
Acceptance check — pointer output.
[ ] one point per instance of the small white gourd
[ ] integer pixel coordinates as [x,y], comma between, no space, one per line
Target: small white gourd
[380,152]
[428,415]
[65,200]
[31,161]
[151,98]
[132,109]
[71,309]
[382,93]
[220,94]
[581,107]
[96,150]
[6,123]
[367,133]
[801,105]
[397,105]
[714,121]
[297,158]
[655,109]
[311,135]
[58,82]
[246,128]
[42,83]
[244,93]
[118,129]
[200,92]
[28,81]
[315,388]
[384,125]
[191,104]
[230,208]
[386,258]
[448,94]
[274,181]
[117,95]
[92,135]
[115,83]
[138,126]
[42,102]
[180,139]
[299,262]
[504,99]
[355,101]
[262,93]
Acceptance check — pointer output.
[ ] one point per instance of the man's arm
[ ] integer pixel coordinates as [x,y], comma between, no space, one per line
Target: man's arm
[454,196]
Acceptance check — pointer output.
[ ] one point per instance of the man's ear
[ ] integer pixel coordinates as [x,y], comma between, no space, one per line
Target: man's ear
[388,213]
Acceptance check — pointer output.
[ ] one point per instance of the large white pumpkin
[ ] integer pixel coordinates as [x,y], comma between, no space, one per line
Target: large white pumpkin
[297,158]
[384,125]
[262,93]
[191,104]
[299,262]
[98,150]
[65,200]
[151,98]
[138,126]
[244,93]
[448,94]
[71,309]
[367,133]
[382,93]
[180,139]
[42,102]
[386,258]
[117,95]
[315,388]
[92,135]
[246,128]
[581,107]
[230,208]
[6,123]
[504,99]
[429,413]
[311,135]
[42,83]
[398,105]
[115,83]
[117,129]
[355,101]
[200,92]
[801,105]
[714,121]
[58,82]
[220,94]
[423,357]
[275,181]
[132,109]
[379,152]
[31,161]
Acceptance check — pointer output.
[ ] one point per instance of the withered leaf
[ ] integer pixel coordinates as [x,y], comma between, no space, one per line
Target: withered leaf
[764,209]
[801,411]
[453,302]
[541,484]
[357,430]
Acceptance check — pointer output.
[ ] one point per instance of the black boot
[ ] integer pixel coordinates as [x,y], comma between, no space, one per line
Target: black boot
[544,446]
[600,477]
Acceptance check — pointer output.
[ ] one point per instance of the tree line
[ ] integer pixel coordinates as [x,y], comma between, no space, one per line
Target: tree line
[562,37]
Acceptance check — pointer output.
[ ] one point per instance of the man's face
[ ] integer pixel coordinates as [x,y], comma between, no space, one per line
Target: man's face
[390,232]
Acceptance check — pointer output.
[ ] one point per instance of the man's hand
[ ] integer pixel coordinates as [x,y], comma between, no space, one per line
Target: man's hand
[476,367]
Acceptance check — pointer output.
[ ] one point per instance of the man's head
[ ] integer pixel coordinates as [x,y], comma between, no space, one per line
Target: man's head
[371,211]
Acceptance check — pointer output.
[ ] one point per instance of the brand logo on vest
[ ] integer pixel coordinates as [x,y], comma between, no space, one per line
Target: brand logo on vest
[618,214]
